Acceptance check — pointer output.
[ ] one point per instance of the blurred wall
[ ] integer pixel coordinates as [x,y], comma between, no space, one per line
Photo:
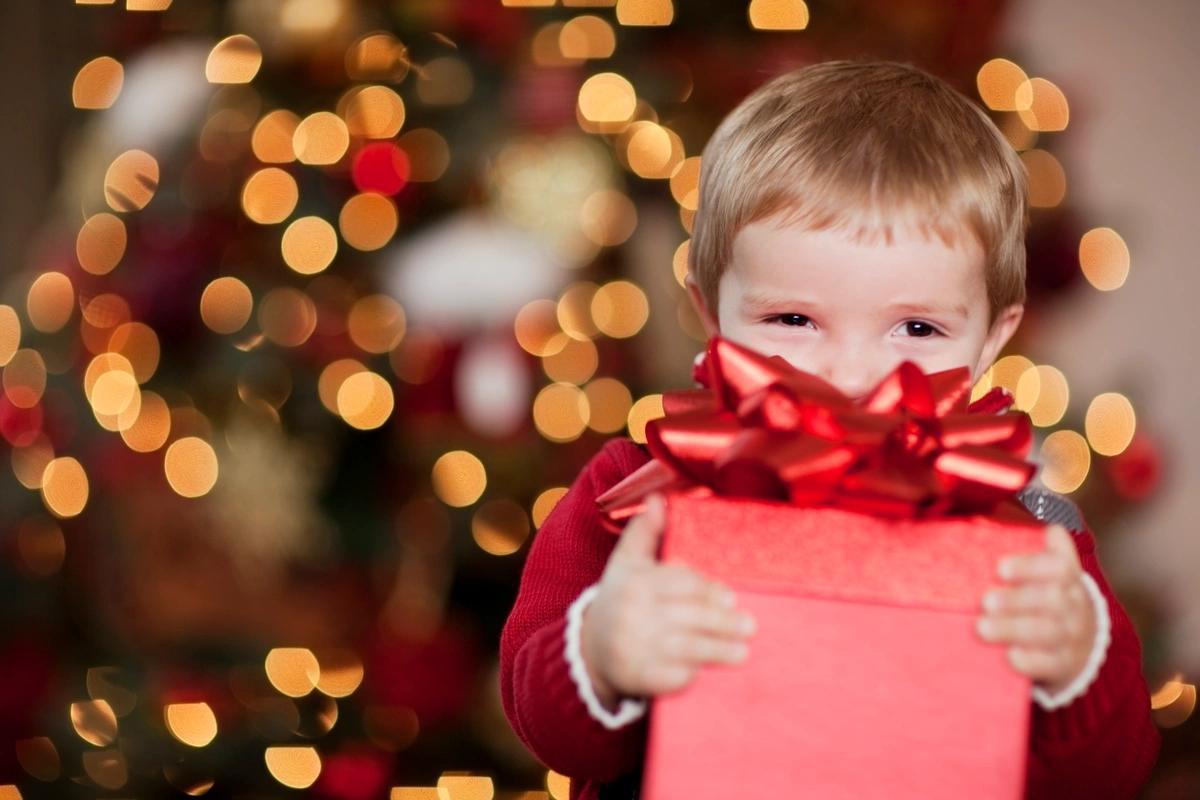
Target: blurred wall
[1128,71]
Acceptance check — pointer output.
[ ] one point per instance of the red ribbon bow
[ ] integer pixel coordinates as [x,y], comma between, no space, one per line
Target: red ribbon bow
[913,447]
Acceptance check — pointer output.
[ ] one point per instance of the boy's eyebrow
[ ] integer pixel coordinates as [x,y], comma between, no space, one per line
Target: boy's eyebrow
[958,309]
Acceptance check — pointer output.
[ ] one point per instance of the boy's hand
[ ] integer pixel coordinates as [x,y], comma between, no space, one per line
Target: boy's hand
[1045,615]
[651,625]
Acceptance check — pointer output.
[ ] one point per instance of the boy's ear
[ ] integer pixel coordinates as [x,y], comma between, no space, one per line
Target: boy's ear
[1004,326]
[707,318]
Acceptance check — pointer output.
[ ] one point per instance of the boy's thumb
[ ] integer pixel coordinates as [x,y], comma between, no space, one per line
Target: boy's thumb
[641,536]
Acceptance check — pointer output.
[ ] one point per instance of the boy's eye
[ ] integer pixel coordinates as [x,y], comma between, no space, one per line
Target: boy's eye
[795,320]
[916,327]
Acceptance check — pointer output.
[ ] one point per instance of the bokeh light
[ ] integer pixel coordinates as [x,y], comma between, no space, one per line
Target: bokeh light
[226,305]
[586,36]
[98,83]
[645,12]
[269,196]
[321,138]
[561,412]
[445,81]
[309,245]
[609,401]
[1047,179]
[620,309]
[293,671]
[1043,393]
[368,221]
[101,243]
[778,15]
[607,98]
[685,183]
[535,327]
[332,377]
[998,81]
[377,56]
[1042,105]
[458,478]
[10,333]
[131,181]
[150,430]
[428,154]
[94,722]
[679,262]
[50,302]
[645,410]
[191,466]
[574,311]
[608,217]
[295,766]
[374,112]
[24,378]
[466,787]
[574,361]
[545,503]
[137,342]
[500,527]
[1104,259]
[39,757]
[1110,423]
[194,724]
[341,672]
[234,59]
[1067,460]
[272,140]
[365,400]
[376,323]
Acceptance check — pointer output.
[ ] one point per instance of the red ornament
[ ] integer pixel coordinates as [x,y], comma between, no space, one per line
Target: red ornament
[381,167]
[20,426]
[1137,471]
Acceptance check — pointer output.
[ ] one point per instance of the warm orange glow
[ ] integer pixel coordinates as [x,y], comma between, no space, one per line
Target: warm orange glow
[645,12]
[1047,180]
[269,196]
[131,181]
[293,671]
[50,302]
[98,83]
[287,316]
[778,15]
[500,527]
[368,221]
[321,138]
[458,478]
[643,411]
[574,310]
[24,378]
[1042,105]
[545,503]
[1110,423]
[607,98]
[378,56]
[608,217]
[137,342]
[94,721]
[610,402]
[365,400]
[685,183]
[194,724]
[149,431]
[191,466]
[226,304]
[997,82]
[235,59]
[101,243]
[561,412]
[295,766]
[376,323]
[535,327]
[309,245]
[428,154]
[1067,461]
[1104,259]
[620,309]
[374,112]
[272,137]
[332,378]
[10,333]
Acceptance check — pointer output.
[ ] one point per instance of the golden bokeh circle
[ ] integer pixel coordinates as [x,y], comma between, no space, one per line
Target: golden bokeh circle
[287,316]
[648,149]
[374,112]
[131,181]
[365,400]
[428,154]
[226,305]
[191,466]
[459,478]
[575,361]
[610,402]
[293,671]
[778,15]
[194,724]
[620,309]
[270,196]
[586,36]
[309,245]
[1047,179]
[499,527]
[295,766]
[98,83]
[331,379]
[376,323]
[65,487]
[645,410]
[608,217]
[368,221]
[535,327]
[606,98]
[1043,393]
[101,243]
[1042,106]
[1110,423]
[1067,460]
[574,310]
[321,138]
[138,342]
[50,302]
[271,141]
[234,59]
[685,183]
[997,82]
[561,412]
[150,430]
[29,462]
[1104,259]
[24,378]
[10,333]
[545,503]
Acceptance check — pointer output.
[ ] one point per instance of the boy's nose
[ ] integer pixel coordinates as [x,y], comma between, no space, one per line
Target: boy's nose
[851,375]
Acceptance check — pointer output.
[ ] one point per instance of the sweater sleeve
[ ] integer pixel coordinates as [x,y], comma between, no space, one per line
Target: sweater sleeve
[1104,743]
[540,699]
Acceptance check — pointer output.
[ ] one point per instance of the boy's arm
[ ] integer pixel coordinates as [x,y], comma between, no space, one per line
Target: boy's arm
[540,698]
[1104,743]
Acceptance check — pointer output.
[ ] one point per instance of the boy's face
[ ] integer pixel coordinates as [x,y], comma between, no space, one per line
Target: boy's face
[851,312]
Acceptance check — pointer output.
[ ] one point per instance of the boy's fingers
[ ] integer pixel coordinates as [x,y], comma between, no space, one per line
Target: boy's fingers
[678,582]
[639,541]
[1059,541]
[706,620]
[1033,630]
[692,648]
[1046,566]
[1051,597]
[1035,662]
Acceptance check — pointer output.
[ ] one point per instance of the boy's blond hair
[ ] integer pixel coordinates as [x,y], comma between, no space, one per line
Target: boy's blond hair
[863,146]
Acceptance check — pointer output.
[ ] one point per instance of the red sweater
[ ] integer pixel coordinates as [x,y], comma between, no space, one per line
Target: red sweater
[1102,745]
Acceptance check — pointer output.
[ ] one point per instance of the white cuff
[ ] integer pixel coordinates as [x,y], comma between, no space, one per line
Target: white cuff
[1091,667]
[629,709]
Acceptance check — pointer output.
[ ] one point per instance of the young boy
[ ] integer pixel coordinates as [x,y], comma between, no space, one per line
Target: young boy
[851,216]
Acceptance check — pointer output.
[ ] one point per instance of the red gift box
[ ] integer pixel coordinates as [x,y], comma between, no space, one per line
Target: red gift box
[862,536]
[865,676]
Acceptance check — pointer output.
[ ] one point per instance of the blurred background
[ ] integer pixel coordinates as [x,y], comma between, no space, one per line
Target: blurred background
[311,309]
